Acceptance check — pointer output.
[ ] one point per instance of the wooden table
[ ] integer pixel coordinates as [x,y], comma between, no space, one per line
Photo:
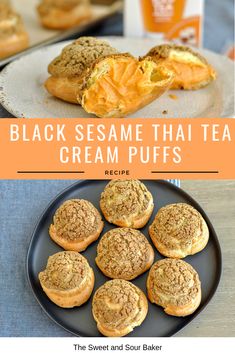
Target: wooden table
[218,200]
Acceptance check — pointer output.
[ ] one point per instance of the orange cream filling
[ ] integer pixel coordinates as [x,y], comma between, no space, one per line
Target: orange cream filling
[120,86]
[189,75]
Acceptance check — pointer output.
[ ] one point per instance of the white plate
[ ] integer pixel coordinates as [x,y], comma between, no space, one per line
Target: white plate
[22,92]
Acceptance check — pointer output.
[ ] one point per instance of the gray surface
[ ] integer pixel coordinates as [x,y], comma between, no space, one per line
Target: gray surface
[218,29]
[21,204]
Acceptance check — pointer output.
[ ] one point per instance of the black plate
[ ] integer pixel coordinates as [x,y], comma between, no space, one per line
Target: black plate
[79,321]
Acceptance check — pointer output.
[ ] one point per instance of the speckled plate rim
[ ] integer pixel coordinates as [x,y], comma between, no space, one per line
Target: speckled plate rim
[76,185]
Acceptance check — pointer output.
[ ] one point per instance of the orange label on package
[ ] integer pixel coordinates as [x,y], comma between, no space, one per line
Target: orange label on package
[176,20]
[117,148]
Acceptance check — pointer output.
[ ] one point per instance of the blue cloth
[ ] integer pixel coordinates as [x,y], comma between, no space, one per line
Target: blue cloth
[21,203]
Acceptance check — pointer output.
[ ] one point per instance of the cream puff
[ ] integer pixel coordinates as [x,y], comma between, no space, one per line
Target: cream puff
[124,253]
[67,70]
[126,203]
[174,285]
[118,307]
[106,83]
[191,70]
[13,36]
[120,84]
[76,224]
[179,230]
[63,14]
[68,280]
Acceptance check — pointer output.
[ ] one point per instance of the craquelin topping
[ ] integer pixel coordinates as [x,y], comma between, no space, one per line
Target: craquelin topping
[179,221]
[117,304]
[65,5]
[122,198]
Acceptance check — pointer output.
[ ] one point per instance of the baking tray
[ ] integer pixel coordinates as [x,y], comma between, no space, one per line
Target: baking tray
[79,321]
[40,36]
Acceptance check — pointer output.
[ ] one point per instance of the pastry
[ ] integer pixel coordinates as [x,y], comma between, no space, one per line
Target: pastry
[63,14]
[118,307]
[191,70]
[119,85]
[179,230]
[13,37]
[106,83]
[174,285]
[68,68]
[76,224]
[126,203]
[124,253]
[68,280]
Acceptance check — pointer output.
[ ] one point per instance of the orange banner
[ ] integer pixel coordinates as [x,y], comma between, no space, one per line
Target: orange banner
[116,148]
